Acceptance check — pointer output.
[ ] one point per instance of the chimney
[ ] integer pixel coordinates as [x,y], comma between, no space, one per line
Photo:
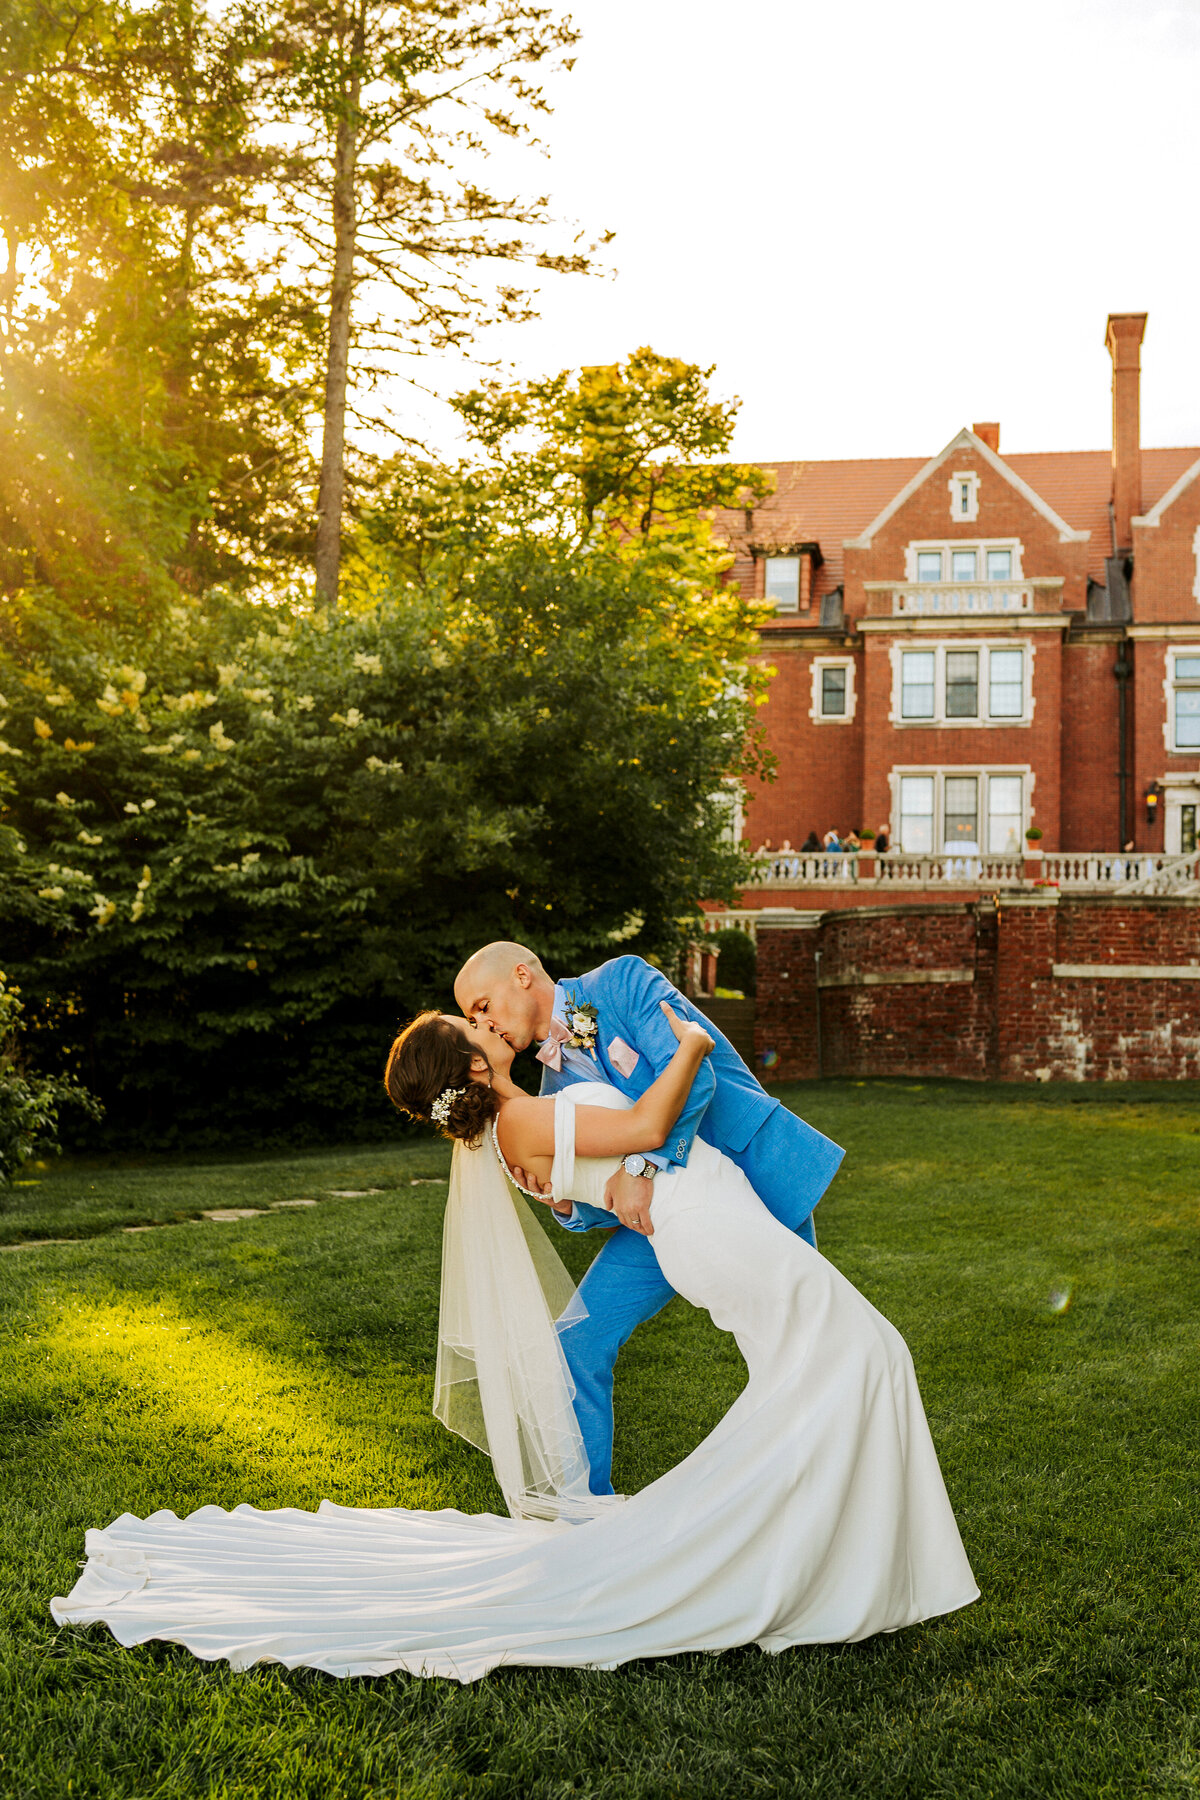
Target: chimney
[1124,340]
[990,433]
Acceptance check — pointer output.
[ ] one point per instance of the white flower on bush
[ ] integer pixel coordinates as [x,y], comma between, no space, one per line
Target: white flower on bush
[217,734]
[104,910]
[8,750]
[134,679]
[90,837]
[228,674]
[351,719]
[51,893]
[41,729]
[137,910]
[305,702]
[259,696]
[62,799]
[189,702]
[110,702]
[147,878]
[131,806]
[56,697]
[191,756]
[368,664]
[141,722]
[377,765]
[250,858]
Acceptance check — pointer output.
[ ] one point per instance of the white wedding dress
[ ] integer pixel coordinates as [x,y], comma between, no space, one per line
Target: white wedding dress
[814,1513]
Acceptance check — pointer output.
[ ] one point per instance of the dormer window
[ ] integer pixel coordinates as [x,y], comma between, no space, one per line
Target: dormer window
[783,582]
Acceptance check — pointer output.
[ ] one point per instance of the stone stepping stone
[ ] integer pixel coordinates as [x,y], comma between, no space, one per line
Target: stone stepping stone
[40,1243]
[277,1205]
[228,1215]
[352,1193]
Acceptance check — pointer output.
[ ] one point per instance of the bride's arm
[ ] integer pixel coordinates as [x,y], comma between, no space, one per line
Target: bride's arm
[527,1124]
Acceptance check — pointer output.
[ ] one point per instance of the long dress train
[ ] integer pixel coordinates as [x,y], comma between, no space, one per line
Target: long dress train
[815,1512]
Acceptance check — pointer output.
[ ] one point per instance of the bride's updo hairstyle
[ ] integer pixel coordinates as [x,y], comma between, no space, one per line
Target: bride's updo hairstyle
[429,1058]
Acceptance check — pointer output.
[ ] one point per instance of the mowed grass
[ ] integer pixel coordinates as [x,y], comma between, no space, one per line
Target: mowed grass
[1039,1251]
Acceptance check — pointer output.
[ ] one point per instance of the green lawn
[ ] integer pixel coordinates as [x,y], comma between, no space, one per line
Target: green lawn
[1037,1248]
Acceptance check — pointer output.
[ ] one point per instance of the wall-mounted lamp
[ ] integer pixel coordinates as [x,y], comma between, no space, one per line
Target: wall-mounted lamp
[1153,796]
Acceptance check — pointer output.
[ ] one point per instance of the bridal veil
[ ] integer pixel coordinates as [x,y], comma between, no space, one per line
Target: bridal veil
[502,1381]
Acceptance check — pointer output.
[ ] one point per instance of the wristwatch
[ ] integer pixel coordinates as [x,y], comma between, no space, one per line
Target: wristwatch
[639,1165]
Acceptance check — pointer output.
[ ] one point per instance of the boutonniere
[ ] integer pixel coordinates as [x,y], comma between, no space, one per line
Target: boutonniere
[583,1023]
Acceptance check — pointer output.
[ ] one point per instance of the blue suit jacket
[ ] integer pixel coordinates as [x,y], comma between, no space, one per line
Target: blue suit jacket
[789,1163]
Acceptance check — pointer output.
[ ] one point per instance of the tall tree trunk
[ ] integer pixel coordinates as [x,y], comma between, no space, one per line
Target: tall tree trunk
[333,447]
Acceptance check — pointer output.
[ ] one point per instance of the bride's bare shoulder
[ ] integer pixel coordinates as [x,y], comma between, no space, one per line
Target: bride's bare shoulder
[525,1127]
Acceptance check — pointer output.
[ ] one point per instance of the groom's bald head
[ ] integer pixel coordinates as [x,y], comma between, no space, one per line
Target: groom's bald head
[505,987]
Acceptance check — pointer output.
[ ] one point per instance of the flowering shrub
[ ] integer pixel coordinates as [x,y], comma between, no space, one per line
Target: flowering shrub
[246,841]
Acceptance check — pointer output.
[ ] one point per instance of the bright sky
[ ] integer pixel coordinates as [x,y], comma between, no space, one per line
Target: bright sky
[884,221]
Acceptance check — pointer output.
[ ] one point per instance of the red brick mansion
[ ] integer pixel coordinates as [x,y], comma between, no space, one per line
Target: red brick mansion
[980,644]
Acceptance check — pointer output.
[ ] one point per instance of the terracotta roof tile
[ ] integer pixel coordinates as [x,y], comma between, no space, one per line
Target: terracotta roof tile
[827,502]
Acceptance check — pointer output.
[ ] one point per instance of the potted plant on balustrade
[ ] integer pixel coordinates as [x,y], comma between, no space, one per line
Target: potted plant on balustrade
[1033,858]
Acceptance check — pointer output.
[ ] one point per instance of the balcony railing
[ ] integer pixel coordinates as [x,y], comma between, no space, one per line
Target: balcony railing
[942,598]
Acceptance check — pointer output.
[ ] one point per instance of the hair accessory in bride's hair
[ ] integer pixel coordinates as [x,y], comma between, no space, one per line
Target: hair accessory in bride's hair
[439,1112]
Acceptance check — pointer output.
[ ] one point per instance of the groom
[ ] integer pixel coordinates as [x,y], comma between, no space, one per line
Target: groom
[608,1025]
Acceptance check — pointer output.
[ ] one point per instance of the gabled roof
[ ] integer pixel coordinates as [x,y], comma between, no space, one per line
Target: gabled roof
[831,502]
[966,440]
[1155,514]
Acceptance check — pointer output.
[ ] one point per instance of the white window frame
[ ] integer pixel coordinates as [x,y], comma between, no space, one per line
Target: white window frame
[783,607]
[1196,554]
[731,798]
[940,647]
[814,712]
[1170,688]
[984,774]
[968,479]
[981,546]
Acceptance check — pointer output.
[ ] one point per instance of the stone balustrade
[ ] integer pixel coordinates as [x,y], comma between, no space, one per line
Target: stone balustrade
[877,880]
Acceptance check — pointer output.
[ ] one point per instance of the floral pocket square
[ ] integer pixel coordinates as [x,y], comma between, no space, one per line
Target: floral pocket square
[623,1059]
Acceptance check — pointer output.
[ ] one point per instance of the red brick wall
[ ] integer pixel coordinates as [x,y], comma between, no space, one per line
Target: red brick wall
[1165,562]
[1089,746]
[819,784]
[1013,1019]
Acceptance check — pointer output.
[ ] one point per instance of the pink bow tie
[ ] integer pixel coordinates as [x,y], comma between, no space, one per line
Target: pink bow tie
[551,1051]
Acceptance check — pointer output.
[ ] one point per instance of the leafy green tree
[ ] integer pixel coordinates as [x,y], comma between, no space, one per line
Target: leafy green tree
[251,853]
[29,1104]
[156,374]
[392,111]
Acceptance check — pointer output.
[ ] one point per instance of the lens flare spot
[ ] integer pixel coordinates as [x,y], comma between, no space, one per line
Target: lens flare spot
[1060,1298]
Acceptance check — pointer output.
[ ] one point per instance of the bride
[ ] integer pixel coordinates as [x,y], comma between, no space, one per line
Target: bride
[814,1513]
